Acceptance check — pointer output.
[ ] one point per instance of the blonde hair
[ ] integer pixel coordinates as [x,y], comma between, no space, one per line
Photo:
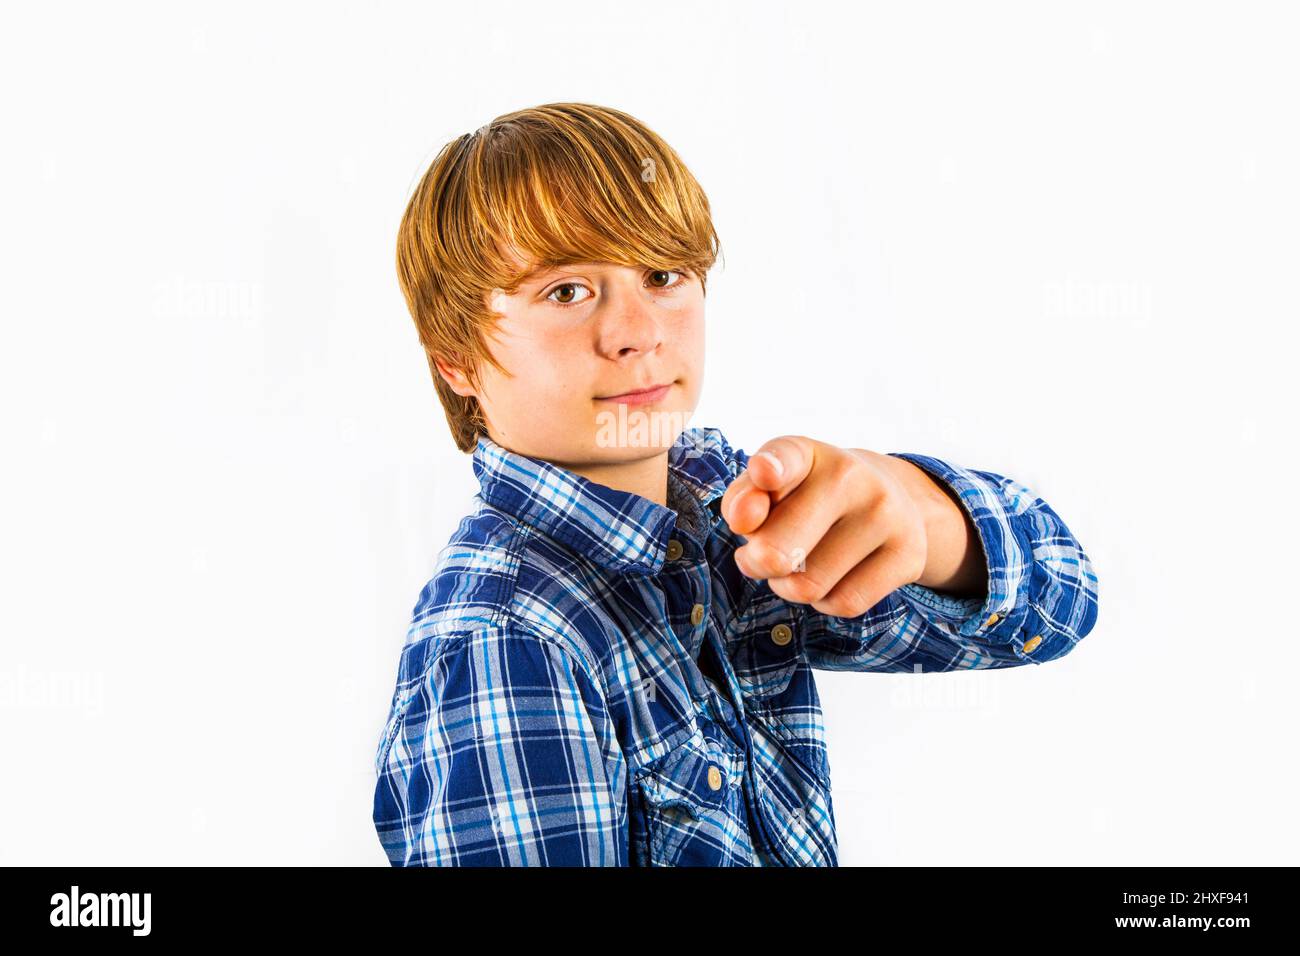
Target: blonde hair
[558,183]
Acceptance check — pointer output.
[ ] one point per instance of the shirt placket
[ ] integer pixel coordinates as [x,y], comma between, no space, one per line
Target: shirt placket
[687,589]
[691,590]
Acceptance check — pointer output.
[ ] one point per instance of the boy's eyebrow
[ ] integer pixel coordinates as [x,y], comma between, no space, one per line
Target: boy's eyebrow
[541,273]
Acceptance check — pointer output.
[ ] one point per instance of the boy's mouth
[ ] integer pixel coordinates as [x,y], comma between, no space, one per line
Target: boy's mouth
[640,396]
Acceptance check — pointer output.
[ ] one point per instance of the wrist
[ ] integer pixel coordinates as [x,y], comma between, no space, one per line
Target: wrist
[954,560]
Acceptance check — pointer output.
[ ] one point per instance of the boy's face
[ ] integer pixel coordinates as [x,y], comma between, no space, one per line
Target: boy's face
[577,337]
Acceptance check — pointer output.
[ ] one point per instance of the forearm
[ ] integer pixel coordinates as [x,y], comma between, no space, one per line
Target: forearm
[1036,600]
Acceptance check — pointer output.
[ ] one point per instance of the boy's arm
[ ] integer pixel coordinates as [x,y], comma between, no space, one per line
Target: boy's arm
[500,752]
[1039,598]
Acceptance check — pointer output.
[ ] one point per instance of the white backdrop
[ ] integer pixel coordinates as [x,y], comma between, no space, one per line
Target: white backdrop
[1056,244]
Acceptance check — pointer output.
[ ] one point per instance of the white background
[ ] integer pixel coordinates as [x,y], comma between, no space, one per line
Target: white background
[1059,244]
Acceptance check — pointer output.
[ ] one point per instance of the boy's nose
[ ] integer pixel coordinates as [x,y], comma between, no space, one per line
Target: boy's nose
[633,326]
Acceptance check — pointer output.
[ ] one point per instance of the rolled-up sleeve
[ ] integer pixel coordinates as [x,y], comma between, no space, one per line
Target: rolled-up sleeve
[1040,600]
[499,751]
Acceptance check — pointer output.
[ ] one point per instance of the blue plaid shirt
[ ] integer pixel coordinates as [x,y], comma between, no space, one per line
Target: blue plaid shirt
[589,680]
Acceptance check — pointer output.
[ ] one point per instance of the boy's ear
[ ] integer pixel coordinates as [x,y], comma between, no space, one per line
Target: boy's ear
[454,377]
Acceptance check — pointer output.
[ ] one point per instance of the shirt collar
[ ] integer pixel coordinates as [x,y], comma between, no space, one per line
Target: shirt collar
[619,530]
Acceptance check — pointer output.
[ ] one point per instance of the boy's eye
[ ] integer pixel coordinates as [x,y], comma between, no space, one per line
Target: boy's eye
[665,283]
[566,292]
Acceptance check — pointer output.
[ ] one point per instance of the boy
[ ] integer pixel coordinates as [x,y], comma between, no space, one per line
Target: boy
[612,664]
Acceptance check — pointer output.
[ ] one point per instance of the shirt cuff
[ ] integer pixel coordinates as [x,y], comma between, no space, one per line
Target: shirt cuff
[997,618]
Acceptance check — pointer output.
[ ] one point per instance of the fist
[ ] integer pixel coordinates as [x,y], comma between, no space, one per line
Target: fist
[836,528]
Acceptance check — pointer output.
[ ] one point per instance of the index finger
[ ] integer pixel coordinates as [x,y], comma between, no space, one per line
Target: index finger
[781,464]
[773,472]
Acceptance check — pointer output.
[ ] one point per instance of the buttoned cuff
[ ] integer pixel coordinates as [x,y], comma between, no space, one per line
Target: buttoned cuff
[1008,556]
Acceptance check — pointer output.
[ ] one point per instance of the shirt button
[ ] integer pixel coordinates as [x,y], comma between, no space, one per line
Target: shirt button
[697,614]
[674,549]
[715,778]
[993,619]
[781,635]
[1033,642]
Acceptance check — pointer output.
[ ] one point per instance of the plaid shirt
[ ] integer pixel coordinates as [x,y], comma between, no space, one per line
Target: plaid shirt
[552,705]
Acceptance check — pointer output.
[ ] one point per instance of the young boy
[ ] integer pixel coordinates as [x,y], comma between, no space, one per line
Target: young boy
[612,664]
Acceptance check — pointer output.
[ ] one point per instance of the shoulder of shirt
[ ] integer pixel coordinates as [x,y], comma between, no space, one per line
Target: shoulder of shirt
[498,578]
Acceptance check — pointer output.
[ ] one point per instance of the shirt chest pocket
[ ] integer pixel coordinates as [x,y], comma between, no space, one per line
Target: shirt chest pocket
[763,643]
[694,808]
